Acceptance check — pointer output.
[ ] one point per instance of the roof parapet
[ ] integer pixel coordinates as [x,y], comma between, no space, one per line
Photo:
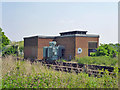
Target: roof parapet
[73,33]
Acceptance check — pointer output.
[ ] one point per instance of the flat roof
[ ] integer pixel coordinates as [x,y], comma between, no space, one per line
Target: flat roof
[40,36]
[67,34]
[72,35]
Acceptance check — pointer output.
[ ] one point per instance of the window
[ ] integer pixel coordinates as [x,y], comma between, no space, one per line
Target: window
[92,45]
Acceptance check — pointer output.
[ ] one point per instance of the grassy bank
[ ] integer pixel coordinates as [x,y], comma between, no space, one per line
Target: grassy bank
[23,74]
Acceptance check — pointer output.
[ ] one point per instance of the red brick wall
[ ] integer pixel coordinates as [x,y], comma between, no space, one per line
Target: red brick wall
[82,42]
[30,48]
[69,44]
[41,43]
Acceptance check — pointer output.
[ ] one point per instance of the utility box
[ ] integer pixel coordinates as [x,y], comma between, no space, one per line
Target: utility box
[53,52]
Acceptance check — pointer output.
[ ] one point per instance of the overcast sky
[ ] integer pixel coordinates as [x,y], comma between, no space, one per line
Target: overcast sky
[21,19]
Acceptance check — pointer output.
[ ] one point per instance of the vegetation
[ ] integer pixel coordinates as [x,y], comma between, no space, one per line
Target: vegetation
[21,46]
[3,38]
[101,60]
[13,49]
[8,47]
[9,50]
[61,60]
[23,74]
[110,50]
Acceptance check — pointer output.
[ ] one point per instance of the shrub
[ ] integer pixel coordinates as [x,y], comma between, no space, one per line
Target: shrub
[106,50]
[92,54]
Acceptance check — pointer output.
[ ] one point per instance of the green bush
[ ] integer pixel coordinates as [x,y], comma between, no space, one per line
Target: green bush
[92,54]
[106,50]
[12,50]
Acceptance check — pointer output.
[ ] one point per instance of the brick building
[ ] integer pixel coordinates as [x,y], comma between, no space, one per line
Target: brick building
[72,41]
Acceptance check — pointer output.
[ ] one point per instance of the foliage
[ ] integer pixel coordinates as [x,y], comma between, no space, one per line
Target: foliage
[21,74]
[106,50]
[3,39]
[7,47]
[100,60]
[20,44]
[21,47]
[115,46]
[15,48]
[12,50]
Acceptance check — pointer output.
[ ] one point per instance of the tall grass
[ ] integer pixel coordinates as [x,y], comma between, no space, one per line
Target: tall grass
[23,74]
[100,60]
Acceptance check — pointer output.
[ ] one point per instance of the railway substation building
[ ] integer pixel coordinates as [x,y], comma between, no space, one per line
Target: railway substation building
[72,42]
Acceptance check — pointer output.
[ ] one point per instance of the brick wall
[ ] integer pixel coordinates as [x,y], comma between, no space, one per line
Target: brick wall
[69,44]
[30,48]
[41,43]
[82,42]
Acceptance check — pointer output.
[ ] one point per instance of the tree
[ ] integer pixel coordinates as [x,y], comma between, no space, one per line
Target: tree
[4,39]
